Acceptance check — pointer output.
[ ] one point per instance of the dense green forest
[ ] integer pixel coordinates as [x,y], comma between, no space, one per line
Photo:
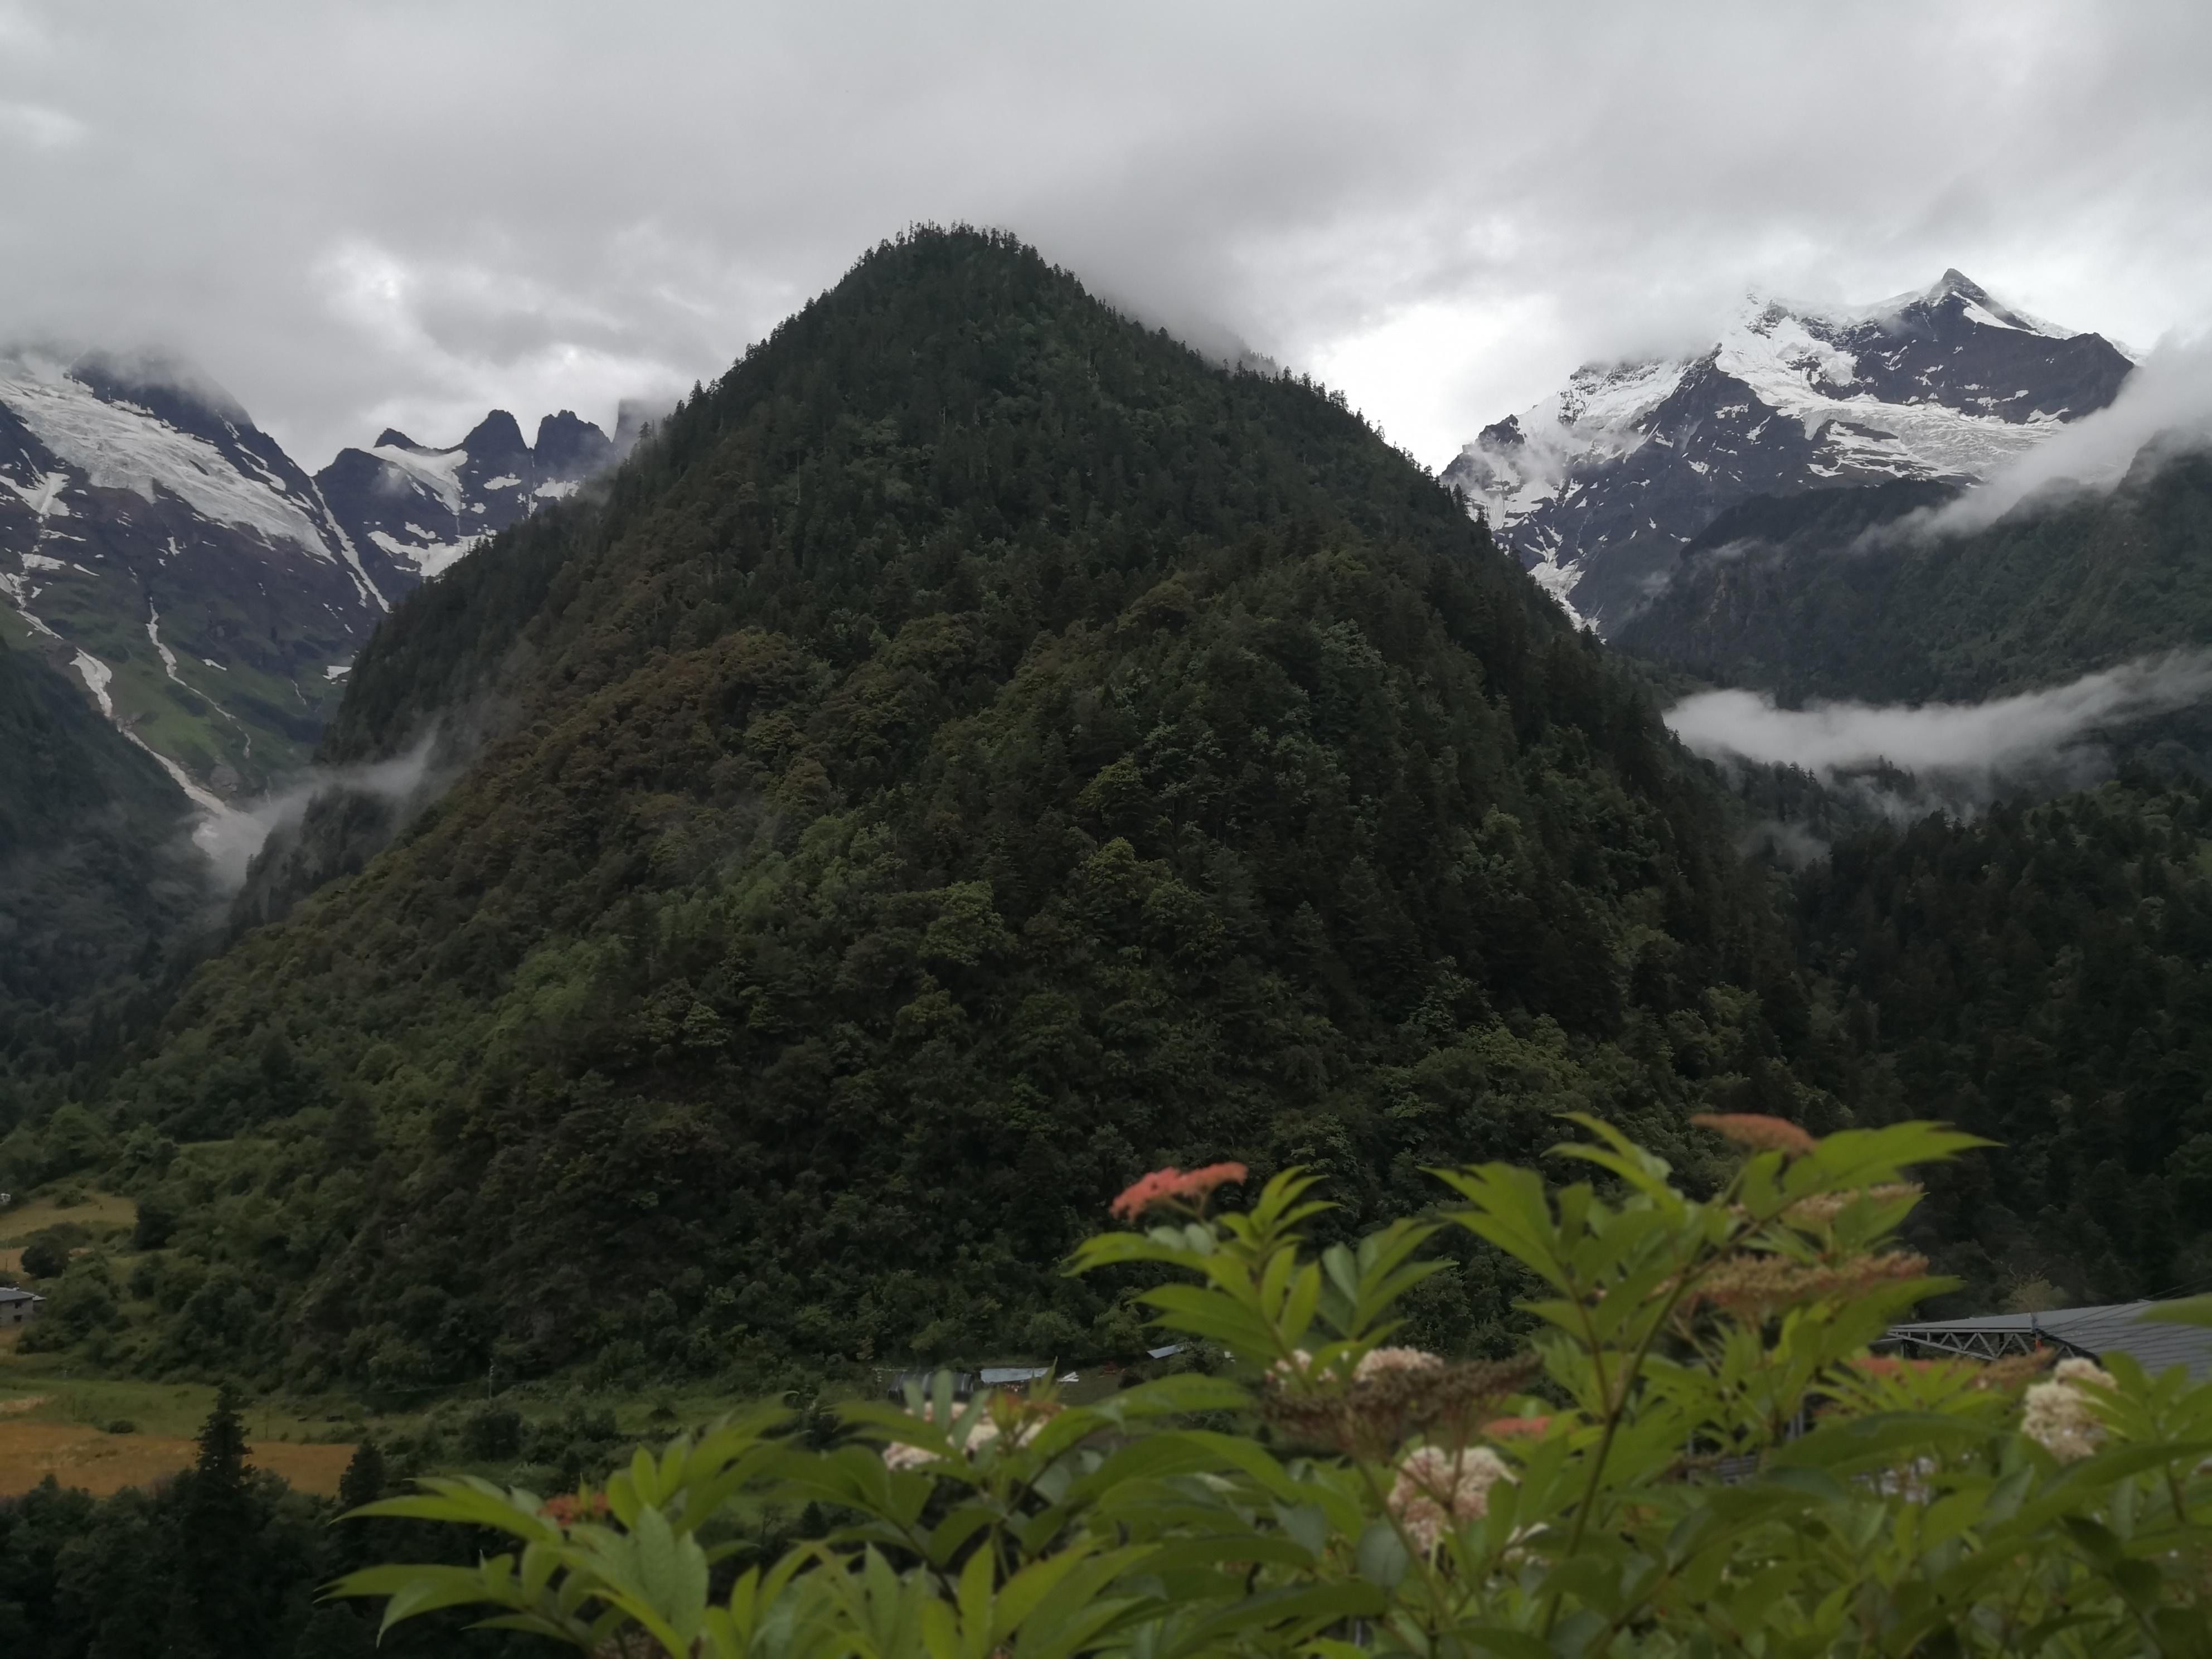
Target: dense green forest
[2042,976]
[1830,594]
[98,884]
[977,751]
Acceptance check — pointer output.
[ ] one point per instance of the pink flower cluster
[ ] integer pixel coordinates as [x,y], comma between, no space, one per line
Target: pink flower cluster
[1757,1130]
[1187,1190]
[570,1507]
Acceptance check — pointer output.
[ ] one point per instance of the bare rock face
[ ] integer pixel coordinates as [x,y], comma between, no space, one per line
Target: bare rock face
[420,508]
[1599,487]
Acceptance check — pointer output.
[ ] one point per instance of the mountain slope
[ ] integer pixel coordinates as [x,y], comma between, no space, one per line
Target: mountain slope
[158,545]
[1792,595]
[422,508]
[2040,977]
[973,753]
[1598,488]
[96,878]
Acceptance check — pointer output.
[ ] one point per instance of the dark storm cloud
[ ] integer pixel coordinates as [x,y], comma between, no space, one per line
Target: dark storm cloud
[403,212]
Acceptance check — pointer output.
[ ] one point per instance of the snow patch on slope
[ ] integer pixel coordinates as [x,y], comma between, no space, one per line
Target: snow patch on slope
[1795,374]
[43,495]
[119,446]
[97,676]
[430,557]
[438,470]
[153,635]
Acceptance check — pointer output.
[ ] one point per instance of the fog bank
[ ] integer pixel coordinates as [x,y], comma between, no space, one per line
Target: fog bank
[1960,753]
[230,835]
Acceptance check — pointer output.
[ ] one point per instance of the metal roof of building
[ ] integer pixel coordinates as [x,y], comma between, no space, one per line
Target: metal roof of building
[13,1293]
[999,1375]
[2115,1327]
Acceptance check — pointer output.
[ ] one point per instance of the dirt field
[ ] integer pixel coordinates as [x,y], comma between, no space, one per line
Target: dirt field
[78,1455]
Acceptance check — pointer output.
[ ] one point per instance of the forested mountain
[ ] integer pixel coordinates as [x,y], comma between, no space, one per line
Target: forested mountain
[97,878]
[1597,487]
[2042,976]
[1833,593]
[975,752]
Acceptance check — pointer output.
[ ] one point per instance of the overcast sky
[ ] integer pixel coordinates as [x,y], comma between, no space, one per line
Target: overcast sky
[357,214]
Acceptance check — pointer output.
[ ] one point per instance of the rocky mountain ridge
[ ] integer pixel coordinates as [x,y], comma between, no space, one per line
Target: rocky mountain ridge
[422,508]
[158,545]
[1596,489]
[205,591]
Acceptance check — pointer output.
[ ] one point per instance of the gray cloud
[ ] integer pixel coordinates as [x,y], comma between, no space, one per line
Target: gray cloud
[355,214]
[1959,754]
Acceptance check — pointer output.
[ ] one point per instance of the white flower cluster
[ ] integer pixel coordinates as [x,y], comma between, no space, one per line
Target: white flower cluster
[1911,1482]
[984,1432]
[1439,1489]
[2057,1415]
[1381,1362]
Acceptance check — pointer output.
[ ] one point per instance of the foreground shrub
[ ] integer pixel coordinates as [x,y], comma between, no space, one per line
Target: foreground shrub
[1697,1455]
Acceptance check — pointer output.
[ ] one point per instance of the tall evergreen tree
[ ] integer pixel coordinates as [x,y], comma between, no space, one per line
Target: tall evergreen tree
[217,1605]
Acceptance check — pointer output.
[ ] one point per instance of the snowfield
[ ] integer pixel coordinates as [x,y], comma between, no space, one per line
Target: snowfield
[119,446]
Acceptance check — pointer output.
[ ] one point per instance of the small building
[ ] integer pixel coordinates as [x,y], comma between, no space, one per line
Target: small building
[1016,1377]
[18,1306]
[2089,1333]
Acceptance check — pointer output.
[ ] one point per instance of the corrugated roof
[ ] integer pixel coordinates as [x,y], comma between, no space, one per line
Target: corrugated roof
[999,1375]
[2115,1327]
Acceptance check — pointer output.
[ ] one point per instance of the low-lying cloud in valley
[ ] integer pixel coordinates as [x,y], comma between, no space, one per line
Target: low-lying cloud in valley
[1961,754]
[231,835]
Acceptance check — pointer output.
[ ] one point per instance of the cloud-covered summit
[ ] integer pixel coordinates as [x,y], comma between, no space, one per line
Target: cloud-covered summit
[402,214]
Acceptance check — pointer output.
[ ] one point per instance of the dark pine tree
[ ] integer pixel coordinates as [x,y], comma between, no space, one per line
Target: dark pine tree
[216,1599]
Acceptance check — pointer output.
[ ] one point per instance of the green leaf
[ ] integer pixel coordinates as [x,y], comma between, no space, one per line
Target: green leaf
[2188,1310]
[1383,1556]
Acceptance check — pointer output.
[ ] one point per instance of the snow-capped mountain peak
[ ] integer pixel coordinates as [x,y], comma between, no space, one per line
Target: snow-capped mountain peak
[114,435]
[421,509]
[1974,302]
[158,545]
[1596,487]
